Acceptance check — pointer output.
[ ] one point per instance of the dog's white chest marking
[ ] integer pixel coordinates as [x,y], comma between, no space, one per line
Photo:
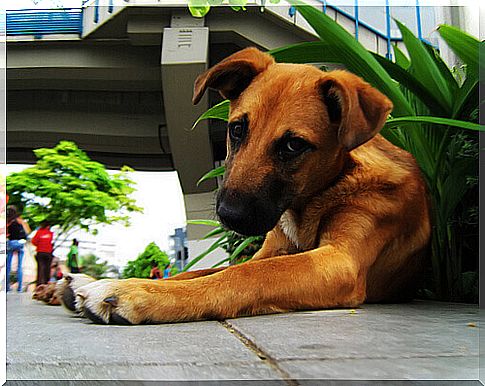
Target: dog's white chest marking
[289,228]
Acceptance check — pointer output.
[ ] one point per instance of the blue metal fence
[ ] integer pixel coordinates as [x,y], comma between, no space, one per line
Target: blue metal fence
[69,21]
[39,22]
[384,34]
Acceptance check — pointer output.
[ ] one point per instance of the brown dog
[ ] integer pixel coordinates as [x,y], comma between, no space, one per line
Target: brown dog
[345,211]
[47,294]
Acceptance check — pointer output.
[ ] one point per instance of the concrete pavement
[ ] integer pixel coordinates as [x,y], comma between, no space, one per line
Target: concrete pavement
[420,340]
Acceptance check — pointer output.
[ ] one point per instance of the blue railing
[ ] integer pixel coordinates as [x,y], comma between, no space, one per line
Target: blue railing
[40,22]
[386,35]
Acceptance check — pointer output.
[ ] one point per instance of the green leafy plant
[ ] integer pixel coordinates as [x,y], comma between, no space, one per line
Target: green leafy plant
[200,8]
[239,248]
[71,191]
[434,118]
[142,265]
[94,267]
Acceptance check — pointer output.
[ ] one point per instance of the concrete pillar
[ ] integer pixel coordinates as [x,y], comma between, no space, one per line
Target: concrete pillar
[185,56]
[467,18]
[201,206]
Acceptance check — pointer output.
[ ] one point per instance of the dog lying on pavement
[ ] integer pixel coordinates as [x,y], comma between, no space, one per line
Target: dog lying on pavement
[47,294]
[345,212]
[62,291]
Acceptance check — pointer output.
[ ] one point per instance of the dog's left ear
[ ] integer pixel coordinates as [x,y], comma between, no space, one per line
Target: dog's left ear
[232,75]
[358,108]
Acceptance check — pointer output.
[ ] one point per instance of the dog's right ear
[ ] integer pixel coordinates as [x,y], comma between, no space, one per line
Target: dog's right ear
[232,75]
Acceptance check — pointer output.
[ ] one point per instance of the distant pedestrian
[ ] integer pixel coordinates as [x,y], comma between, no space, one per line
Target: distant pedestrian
[73,260]
[167,272]
[43,241]
[56,272]
[155,271]
[17,232]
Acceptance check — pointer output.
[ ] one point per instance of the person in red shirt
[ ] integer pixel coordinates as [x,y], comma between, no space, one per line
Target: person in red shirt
[155,272]
[43,241]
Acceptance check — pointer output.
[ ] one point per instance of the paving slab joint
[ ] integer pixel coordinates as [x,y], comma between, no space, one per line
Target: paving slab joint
[260,353]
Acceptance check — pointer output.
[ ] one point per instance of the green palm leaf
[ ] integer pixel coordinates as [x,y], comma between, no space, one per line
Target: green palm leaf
[219,171]
[214,232]
[211,223]
[307,52]
[442,67]
[401,59]
[466,97]
[397,122]
[464,45]
[424,68]
[241,247]
[406,79]
[219,111]
[212,248]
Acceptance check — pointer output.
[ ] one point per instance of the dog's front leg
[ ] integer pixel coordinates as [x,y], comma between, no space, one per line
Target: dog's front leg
[317,279]
[275,244]
[194,274]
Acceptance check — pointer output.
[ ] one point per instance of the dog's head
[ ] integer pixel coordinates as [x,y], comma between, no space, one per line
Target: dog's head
[40,292]
[45,293]
[290,128]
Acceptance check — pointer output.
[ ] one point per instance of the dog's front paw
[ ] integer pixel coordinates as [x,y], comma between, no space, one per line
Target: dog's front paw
[116,301]
[66,288]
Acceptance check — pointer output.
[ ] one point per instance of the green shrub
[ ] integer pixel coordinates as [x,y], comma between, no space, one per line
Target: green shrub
[142,265]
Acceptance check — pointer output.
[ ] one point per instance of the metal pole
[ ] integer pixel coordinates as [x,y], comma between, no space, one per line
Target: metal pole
[96,11]
[356,8]
[418,20]
[388,30]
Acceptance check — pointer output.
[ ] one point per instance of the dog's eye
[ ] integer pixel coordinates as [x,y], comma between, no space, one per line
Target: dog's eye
[295,145]
[292,147]
[237,130]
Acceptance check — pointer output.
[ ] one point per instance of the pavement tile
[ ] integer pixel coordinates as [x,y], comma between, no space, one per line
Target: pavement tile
[419,340]
[237,382]
[45,342]
[170,372]
[432,368]
[375,341]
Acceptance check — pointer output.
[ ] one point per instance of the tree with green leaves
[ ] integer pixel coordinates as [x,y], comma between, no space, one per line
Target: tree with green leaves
[94,267]
[142,265]
[71,191]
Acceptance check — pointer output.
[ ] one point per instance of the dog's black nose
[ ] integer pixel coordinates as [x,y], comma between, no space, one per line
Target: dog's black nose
[232,214]
[246,213]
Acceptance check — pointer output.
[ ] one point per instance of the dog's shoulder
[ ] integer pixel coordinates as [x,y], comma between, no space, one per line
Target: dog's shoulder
[382,178]
[380,160]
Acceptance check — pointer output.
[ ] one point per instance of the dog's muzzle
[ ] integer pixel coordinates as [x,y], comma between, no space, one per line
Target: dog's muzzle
[246,213]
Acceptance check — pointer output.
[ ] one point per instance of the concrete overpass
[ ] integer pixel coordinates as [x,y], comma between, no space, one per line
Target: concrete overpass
[120,84]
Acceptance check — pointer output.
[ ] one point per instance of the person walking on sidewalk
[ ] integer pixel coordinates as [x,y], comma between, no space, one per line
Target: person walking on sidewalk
[17,232]
[43,241]
[73,260]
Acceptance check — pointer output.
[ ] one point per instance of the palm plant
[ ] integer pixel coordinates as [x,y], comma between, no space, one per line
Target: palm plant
[239,248]
[434,118]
